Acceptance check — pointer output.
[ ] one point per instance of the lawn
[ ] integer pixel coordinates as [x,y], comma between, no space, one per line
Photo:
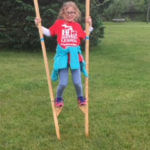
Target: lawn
[119,107]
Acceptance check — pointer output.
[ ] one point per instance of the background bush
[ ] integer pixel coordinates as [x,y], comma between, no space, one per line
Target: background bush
[134,10]
[17,28]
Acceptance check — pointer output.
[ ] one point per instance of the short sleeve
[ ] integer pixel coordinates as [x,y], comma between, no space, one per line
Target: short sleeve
[54,29]
[82,33]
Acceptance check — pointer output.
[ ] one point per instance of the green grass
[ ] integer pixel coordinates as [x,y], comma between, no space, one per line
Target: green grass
[119,97]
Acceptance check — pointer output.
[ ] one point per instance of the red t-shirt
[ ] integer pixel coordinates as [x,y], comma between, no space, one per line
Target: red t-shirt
[68,33]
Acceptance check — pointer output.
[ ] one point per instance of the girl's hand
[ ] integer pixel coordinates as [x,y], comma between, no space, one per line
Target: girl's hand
[89,21]
[37,21]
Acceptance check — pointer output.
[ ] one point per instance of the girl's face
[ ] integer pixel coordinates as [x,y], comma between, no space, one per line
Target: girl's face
[70,14]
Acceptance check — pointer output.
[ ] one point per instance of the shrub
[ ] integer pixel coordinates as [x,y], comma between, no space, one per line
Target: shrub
[20,30]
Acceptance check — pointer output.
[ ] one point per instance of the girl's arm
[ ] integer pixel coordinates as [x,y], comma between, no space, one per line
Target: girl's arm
[46,31]
[89,21]
[91,29]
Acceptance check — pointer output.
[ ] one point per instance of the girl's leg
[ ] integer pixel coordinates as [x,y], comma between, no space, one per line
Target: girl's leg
[76,76]
[63,75]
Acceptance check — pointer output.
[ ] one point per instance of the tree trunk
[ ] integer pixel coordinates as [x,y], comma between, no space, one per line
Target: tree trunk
[148,11]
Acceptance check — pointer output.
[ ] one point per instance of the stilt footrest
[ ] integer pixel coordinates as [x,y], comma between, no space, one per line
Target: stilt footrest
[58,110]
[83,108]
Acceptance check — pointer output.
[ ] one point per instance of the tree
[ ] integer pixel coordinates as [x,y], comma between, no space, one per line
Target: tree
[125,8]
[17,20]
[148,10]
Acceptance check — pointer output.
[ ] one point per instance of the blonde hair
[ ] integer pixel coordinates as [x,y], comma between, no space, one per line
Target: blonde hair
[65,6]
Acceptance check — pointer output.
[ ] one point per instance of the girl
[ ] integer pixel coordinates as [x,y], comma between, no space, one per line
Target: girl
[68,53]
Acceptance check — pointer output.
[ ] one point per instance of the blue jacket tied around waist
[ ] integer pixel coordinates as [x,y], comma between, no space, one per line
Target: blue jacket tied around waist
[61,60]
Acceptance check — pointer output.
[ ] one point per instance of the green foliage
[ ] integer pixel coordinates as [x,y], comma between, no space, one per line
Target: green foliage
[134,9]
[17,18]
[18,23]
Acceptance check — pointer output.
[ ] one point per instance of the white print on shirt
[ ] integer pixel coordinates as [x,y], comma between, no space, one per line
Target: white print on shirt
[68,35]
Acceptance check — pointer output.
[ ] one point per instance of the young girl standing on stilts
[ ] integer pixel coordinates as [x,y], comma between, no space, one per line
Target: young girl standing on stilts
[68,53]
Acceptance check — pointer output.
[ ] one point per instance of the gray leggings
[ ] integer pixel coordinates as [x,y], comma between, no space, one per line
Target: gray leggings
[63,82]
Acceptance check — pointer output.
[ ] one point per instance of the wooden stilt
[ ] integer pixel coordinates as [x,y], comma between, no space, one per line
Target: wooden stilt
[87,68]
[56,112]
[85,108]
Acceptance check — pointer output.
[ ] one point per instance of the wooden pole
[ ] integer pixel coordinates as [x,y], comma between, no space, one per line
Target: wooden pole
[47,69]
[87,68]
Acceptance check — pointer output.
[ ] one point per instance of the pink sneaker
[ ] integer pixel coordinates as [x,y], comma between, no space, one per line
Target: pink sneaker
[59,102]
[82,101]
